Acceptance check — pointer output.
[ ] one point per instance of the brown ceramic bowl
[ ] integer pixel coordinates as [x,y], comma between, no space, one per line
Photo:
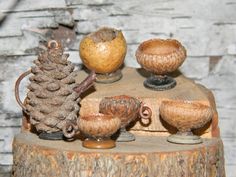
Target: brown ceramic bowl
[126,108]
[185,115]
[99,125]
[103,50]
[160,56]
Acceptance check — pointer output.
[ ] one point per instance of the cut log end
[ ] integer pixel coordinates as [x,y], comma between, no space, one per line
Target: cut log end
[147,156]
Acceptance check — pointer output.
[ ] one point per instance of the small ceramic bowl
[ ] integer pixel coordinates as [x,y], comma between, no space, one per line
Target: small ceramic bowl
[160,57]
[104,52]
[99,128]
[185,116]
[127,109]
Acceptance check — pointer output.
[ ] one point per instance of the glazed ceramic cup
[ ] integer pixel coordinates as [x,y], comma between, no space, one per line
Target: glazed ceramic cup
[160,57]
[98,129]
[185,116]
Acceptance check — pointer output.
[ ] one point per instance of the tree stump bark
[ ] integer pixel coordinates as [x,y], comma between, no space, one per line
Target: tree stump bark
[146,157]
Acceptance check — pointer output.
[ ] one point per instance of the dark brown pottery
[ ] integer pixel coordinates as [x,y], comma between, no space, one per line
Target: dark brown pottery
[160,57]
[127,109]
[98,129]
[185,116]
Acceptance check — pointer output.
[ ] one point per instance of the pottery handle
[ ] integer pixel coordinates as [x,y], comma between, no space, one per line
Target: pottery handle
[86,83]
[53,44]
[142,111]
[17,84]
[69,130]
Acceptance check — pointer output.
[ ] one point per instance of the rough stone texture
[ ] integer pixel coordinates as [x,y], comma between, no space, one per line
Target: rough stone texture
[206,28]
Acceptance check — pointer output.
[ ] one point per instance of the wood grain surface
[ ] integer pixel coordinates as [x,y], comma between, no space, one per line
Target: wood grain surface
[147,156]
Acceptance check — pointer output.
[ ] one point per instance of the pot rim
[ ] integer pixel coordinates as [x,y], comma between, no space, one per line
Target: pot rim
[96,117]
[185,104]
[91,35]
[172,42]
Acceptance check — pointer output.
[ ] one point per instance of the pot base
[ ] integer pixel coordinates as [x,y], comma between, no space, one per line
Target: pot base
[99,144]
[184,139]
[159,83]
[109,77]
[125,136]
[51,136]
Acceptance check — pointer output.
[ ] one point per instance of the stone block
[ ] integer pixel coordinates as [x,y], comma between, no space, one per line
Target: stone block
[226,66]
[9,72]
[195,67]
[87,14]
[64,17]
[27,5]
[225,98]
[8,119]
[230,151]
[7,134]
[6,159]
[227,127]
[5,170]
[219,82]
[230,170]
[85,27]
[225,113]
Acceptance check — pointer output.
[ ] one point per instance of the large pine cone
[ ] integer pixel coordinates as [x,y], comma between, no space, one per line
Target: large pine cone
[51,101]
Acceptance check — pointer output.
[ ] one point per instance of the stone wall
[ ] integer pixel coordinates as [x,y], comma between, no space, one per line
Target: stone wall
[206,28]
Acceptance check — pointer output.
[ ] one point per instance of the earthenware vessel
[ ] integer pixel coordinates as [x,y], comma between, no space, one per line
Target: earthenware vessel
[104,52]
[160,57]
[98,129]
[185,116]
[127,109]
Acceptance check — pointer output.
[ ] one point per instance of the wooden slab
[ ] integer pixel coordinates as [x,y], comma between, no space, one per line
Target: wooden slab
[147,156]
[132,84]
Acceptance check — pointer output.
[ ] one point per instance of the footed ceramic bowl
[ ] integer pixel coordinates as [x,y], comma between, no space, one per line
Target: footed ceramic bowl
[185,116]
[127,109]
[104,52]
[160,57]
[98,128]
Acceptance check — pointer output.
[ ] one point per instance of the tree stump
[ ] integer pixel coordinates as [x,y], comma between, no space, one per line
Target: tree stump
[146,157]
[150,155]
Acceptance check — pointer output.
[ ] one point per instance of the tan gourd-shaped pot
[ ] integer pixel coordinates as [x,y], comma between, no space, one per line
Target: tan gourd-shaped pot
[104,52]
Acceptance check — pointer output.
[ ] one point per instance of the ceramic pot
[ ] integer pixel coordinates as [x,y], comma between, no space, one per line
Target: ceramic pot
[185,116]
[127,109]
[160,57]
[98,129]
[104,52]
